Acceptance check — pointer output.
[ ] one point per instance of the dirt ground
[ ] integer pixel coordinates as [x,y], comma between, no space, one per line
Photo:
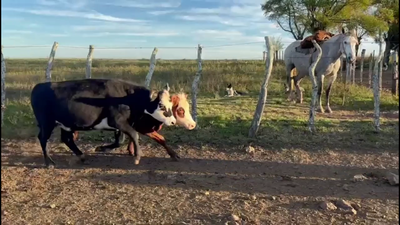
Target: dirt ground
[205,187]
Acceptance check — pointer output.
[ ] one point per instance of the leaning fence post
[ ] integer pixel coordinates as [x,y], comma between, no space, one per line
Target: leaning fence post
[153,62]
[395,77]
[255,124]
[3,85]
[370,69]
[195,84]
[362,65]
[376,87]
[311,73]
[89,62]
[50,62]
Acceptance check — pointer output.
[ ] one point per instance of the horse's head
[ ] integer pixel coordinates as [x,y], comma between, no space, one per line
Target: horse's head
[161,108]
[180,109]
[348,46]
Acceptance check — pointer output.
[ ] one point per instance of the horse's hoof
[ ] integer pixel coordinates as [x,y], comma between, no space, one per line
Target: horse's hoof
[320,110]
[328,110]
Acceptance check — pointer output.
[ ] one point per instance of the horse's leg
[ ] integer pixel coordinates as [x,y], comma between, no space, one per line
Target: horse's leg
[299,93]
[328,92]
[319,93]
[289,71]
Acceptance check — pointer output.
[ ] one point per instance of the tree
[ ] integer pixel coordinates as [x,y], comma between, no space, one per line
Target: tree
[300,16]
[287,16]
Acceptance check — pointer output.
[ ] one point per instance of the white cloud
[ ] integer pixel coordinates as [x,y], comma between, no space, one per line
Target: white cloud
[69,13]
[17,31]
[154,34]
[58,35]
[72,4]
[212,18]
[163,12]
[146,3]
[226,35]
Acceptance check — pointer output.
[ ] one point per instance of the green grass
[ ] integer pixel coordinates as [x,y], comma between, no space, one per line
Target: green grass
[223,121]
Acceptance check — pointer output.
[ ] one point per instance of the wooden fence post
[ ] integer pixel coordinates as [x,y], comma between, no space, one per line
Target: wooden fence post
[50,62]
[264,56]
[346,82]
[353,72]
[195,84]
[362,66]
[89,62]
[395,78]
[376,87]
[370,69]
[311,73]
[255,124]
[380,62]
[153,62]
[3,85]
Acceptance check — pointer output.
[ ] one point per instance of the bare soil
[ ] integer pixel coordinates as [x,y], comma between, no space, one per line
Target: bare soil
[205,187]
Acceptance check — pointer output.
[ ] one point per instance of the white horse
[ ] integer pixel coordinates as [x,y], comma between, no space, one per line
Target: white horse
[328,65]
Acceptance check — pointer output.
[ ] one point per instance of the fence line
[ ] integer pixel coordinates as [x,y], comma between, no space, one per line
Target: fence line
[268,57]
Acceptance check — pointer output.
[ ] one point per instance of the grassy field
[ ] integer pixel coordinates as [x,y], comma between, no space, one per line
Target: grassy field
[282,182]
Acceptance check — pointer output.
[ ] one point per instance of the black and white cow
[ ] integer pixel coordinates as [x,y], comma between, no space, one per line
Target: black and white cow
[95,104]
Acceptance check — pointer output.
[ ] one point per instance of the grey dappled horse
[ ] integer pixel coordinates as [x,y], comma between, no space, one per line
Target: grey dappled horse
[328,65]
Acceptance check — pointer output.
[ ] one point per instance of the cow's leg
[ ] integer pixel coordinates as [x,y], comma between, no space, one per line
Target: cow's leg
[116,144]
[132,134]
[161,140]
[328,92]
[319,93]
[68,138]
[131,147]
[75,135]
[43,136]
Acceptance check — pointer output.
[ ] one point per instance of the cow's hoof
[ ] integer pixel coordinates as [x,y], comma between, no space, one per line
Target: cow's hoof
[328,110]
[50,166]
[102,149]
[137,160]
[175,158]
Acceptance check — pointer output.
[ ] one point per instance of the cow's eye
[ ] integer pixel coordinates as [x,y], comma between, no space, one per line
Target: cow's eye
[162,107]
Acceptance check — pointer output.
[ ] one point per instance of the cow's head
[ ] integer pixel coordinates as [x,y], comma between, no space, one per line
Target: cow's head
[161,108]
[181,112]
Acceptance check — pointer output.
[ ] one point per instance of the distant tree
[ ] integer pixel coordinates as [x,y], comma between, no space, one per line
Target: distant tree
[307,16]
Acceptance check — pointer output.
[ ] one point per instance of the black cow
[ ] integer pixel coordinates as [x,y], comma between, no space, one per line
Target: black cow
[95,104]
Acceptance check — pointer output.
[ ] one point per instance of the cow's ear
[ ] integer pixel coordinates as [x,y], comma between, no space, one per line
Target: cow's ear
[167,87]
[175,100]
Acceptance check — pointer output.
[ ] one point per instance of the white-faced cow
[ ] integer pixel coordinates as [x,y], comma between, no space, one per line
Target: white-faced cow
[95,104]
[148,126]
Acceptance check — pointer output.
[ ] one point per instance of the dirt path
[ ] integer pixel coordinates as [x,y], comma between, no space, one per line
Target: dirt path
[205,187]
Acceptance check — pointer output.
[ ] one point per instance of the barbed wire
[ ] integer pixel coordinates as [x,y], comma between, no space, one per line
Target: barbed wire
[162,47]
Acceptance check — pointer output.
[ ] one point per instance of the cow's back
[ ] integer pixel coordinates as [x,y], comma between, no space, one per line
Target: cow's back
[57,99]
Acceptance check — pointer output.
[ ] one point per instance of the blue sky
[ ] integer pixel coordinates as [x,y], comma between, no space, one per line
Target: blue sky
[137,23]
